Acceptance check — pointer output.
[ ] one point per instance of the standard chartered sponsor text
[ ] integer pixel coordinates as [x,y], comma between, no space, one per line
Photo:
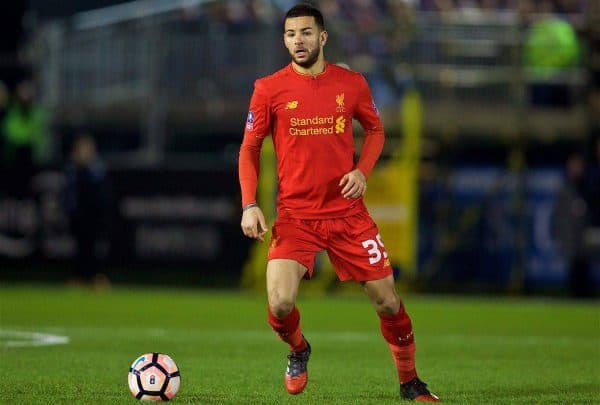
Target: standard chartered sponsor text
[316,125]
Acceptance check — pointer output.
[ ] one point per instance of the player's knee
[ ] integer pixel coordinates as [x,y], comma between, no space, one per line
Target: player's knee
[281,306]
[388,305]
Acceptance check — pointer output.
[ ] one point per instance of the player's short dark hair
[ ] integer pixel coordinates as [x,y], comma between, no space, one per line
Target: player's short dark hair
[305,10]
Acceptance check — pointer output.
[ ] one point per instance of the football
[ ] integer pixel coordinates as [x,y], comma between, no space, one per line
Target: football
[154,377]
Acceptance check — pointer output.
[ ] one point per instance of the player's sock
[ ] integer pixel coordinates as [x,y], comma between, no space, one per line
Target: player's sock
[397,331]
[288,329]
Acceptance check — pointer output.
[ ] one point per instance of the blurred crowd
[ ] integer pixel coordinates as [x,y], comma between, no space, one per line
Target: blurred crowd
[371,36]
[371,12]
[524,6]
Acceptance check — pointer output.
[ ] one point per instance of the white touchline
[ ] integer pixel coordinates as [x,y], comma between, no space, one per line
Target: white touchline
[15,338]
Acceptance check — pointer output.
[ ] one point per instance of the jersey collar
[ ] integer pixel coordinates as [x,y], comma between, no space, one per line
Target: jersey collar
[309,76]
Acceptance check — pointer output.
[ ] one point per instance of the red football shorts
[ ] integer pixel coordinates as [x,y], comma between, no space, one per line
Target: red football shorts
[353,244]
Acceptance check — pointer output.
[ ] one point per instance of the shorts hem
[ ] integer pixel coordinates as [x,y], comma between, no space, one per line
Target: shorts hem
[368,277]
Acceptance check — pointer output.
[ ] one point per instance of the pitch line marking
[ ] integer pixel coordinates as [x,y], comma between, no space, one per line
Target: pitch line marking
[15,338]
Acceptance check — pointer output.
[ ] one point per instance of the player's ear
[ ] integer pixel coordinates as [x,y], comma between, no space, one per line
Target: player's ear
[324,36]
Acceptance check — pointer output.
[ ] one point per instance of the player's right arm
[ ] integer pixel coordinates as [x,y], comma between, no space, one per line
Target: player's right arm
[258,126]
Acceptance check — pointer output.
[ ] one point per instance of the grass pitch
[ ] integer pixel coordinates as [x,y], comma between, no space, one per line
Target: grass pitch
[469,350]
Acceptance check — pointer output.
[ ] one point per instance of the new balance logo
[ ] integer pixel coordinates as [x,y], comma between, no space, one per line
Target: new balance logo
[291,105]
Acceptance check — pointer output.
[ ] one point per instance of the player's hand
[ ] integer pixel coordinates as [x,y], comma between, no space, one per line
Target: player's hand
[354,184]
[253,223]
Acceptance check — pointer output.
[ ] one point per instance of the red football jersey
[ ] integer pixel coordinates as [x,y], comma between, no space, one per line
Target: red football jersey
[310,120]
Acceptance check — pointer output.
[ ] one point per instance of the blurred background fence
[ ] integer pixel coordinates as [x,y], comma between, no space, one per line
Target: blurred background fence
[170,67]
[507,92]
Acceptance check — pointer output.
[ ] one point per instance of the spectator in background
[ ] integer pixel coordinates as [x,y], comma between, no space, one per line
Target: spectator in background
[551,49]
[25,143]
[570,223]
[592,30]
[4,97]
[594,187]
[87,203]
[593,233]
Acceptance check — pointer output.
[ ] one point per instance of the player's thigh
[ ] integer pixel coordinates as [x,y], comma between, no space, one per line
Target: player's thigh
[382,294]
[296,240]
[356,249]
[283,280]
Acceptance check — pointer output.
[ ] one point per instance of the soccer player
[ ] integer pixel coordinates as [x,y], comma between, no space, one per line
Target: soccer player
[308,107]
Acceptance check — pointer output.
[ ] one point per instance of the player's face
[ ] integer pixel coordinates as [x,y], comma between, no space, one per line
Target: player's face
[304,40]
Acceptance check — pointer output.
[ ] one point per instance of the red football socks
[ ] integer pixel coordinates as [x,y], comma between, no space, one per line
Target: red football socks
[397,331]
[288,329]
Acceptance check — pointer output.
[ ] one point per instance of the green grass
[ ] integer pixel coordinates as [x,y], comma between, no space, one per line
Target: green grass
[469,350]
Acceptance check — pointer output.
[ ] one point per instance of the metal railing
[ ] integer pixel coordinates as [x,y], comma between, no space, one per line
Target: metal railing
[165,70]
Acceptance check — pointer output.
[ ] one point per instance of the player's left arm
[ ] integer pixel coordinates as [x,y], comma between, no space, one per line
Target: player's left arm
[354,183]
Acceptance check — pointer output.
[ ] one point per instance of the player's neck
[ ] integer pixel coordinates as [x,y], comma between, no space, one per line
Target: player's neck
[314,70]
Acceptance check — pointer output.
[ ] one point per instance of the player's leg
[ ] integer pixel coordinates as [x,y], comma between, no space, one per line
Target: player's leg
[357,253]
[283,280]
[294,244]
[396,328]
[395,325]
